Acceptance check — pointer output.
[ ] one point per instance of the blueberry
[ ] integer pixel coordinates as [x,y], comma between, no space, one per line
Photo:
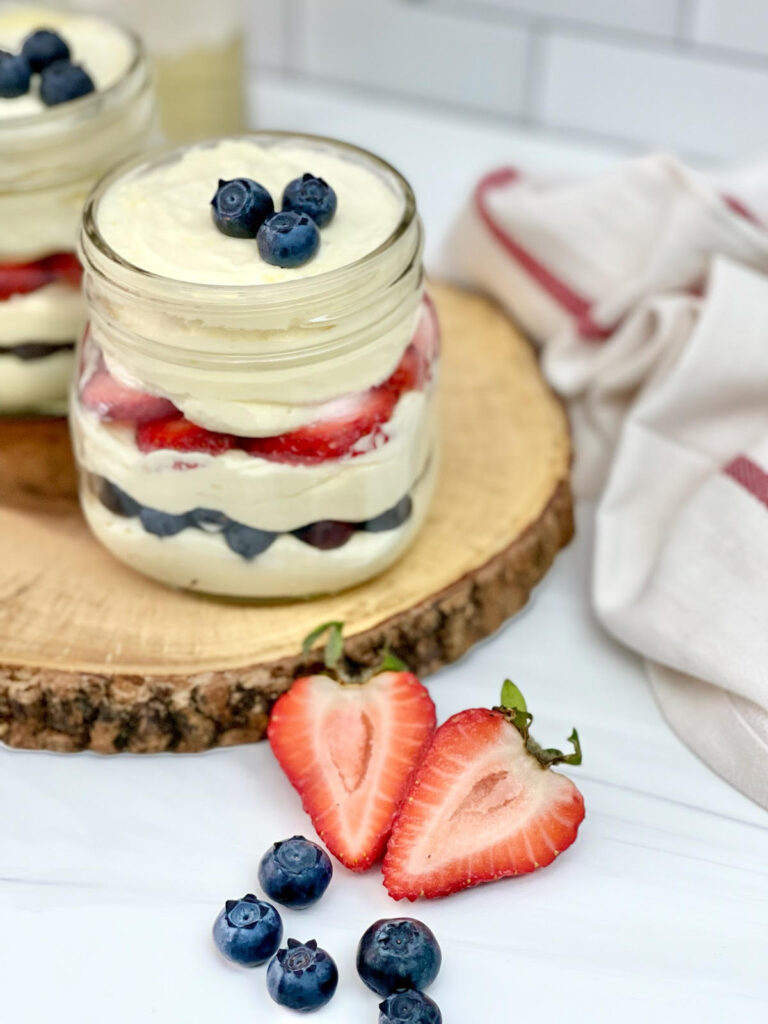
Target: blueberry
[44,47]
[15,74]
[312,196]
[240,207]
[247,541]
[288,239]
[295,872]
[326,534]
[117,501]
[162,524]
[409,1008]
[248,931]
[399,953]
[208,520]
[302,977]
[391,519]
[62,82]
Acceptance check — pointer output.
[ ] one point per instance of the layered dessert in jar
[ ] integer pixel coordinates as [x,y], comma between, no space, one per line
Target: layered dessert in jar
[75,96]
[254,408]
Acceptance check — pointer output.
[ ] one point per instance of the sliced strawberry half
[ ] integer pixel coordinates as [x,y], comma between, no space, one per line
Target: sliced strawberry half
[114,401]
[350,749]
[180,435]
[23,278]
[347,420]
[484,805]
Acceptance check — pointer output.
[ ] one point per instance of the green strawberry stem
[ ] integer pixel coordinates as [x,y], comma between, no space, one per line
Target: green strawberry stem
[337,663]
[516,712]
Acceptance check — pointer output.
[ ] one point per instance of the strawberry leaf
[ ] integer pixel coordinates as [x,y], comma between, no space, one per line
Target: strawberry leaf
[334,647]
[547,756]
[391,663]
[512,698]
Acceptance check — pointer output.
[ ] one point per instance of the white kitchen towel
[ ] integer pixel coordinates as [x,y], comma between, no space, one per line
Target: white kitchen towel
[647,289]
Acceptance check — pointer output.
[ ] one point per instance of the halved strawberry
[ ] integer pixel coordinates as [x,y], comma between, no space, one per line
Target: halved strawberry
[114,401]
[350,749]
[179,434]
[23,278]
[483,805]
[345,421]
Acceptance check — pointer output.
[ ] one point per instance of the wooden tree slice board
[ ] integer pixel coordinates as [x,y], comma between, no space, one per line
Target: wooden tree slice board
[95,656]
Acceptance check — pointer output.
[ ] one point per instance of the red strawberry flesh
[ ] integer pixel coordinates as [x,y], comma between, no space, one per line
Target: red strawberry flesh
[23,278]
[351,751]
[481,808]
[345,422]
[114,401]
[180,435]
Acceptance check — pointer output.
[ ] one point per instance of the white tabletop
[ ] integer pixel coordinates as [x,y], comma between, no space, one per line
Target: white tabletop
[113,869]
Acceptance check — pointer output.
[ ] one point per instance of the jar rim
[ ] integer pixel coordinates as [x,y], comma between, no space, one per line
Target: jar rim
[91,235]
[82,108]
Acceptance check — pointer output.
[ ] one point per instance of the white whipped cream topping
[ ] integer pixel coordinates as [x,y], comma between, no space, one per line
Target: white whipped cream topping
[160,220]
[200,561]
[55,313]
[258,492]
[104,50]
[34,384]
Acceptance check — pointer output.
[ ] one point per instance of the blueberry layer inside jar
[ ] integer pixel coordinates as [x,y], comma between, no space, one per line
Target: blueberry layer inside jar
[29,351]
[246,541]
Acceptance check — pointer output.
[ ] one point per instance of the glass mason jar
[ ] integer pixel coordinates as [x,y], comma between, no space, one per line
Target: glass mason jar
[344,361]
[49,163]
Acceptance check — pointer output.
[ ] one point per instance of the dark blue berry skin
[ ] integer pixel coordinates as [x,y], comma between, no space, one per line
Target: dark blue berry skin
[288,239]
[409,1008]
[399,953]
[312,196]
[247,541]
[295,872]
[248,931]
[44,47]
[162,524]
[240,207]
[118,501]
[62,82]
[15,75]
[391,519]
[302,977]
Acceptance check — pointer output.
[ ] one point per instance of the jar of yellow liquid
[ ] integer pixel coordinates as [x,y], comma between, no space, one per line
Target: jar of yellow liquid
[197,48]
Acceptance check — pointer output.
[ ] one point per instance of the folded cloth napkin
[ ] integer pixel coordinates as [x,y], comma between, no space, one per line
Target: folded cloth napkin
[647,289]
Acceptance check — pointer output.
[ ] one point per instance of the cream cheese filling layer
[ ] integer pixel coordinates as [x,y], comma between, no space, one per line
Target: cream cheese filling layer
[31,384]
[199,561]
[55,313]
[258,492]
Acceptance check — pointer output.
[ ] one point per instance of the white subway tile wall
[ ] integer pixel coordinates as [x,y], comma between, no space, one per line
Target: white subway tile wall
[687,75]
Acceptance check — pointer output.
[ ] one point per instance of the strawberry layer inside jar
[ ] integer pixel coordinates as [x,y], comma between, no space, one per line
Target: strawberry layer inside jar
[24,278]
[342,423]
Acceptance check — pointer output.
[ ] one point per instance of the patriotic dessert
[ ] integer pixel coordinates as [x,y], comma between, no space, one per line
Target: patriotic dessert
[254,412]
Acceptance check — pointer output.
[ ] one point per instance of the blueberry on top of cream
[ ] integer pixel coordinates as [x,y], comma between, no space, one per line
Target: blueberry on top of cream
[44,47]
[313,196]
[288,239]
[240,207]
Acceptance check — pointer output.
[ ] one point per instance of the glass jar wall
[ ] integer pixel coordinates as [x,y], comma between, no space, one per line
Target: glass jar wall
[266,440]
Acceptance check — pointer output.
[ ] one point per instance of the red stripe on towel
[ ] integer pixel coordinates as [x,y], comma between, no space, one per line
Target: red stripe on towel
[565,296]
[752,477]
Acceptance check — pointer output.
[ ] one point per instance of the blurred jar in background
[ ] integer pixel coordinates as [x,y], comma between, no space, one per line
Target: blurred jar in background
[198,51]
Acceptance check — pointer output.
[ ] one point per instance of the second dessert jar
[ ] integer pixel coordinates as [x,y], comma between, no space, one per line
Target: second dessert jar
[246,428]
[62,126]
